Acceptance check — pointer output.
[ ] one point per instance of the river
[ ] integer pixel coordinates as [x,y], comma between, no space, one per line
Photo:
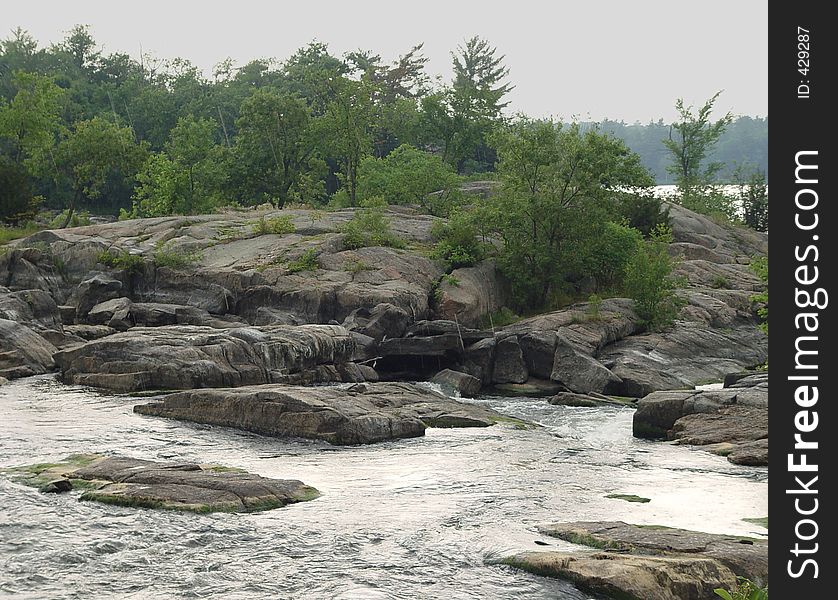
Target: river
[414,519]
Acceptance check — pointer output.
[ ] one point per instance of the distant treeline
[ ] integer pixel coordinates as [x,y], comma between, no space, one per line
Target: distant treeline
[744,142]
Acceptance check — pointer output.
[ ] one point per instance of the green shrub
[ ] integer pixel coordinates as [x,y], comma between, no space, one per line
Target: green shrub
[594,306]
[759,266]
[306,262]
[122,260]
[174,259]
[369,227]
[17,203]
[606,255]
[78,219]
[650,283]
[276,225]
[644,212]
[746,590]
[720,282]
[457,244]
[410,176]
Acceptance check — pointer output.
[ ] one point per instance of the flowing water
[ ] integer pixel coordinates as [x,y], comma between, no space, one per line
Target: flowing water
[419,518]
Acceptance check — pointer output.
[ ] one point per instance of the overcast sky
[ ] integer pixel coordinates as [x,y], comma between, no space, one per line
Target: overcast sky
[589,58]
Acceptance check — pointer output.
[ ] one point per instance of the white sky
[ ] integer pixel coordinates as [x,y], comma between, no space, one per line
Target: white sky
[589,58]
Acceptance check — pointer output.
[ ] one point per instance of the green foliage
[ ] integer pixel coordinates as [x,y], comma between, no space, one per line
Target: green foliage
[560,186]
[8,234]
[275,225]
[122,260]
[457,244]
[77,219]
[759,265]
[94,153]
[369,227]
[690,140]
[753,197]
[17,203]
[643,212]
[746,590]
[410,176]
[187,177]
[720,282]
[606,256]
[650,283]
[594,306]
[274,148]
[306,262]
[174,259]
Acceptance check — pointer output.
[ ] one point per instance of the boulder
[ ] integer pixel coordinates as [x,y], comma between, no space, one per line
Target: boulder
[479,360]
[170,486]
[731,421]
[509,364]
[424,328]
[579,372]
[122,314]
[469,294]
[648,563]
[186,357]
[34,308]
[455,382]
[358,414]
[434,345]
[23,352]
[382,321]
[94,290]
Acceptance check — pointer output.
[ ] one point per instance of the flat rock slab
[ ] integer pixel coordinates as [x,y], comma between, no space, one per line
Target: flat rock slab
[648,562]
[358,414]
[171,486]
[186,357]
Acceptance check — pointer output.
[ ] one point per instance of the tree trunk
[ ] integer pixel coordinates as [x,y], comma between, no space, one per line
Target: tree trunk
[71,209]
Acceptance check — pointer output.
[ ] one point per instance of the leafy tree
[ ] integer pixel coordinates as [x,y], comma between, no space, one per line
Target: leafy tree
[347,128]
[16,200]
[753,197]
[559,187]
[690,141]
[409,176]
[478,77]
[30,123]
[457,243]
[643,211]
[650,283]
[187,177]
[94,152]
[274,145]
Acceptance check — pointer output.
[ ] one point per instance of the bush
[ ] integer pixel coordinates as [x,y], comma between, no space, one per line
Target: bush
[456,242]
[711,200]
[122,260]
[174,260]
[594,306]
[410,176]
[16,200]
[746,590]
[759,266]
[606,256]
[650,283]
[644,212]
[78,219]
[276,225]
[369,227]
[306,262]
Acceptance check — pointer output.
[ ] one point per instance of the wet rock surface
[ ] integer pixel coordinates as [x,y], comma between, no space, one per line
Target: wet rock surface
[359,414]
[172,486]
[648,562]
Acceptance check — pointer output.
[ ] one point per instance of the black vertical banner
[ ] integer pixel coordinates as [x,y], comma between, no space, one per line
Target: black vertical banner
[802,173]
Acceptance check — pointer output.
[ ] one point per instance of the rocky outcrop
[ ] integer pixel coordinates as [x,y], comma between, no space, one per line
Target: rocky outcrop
[358,414]
[23,352]
[171,486]
[382,321]
[186,357]
[455,382]
[648,562]
[731,421]
[469,294]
